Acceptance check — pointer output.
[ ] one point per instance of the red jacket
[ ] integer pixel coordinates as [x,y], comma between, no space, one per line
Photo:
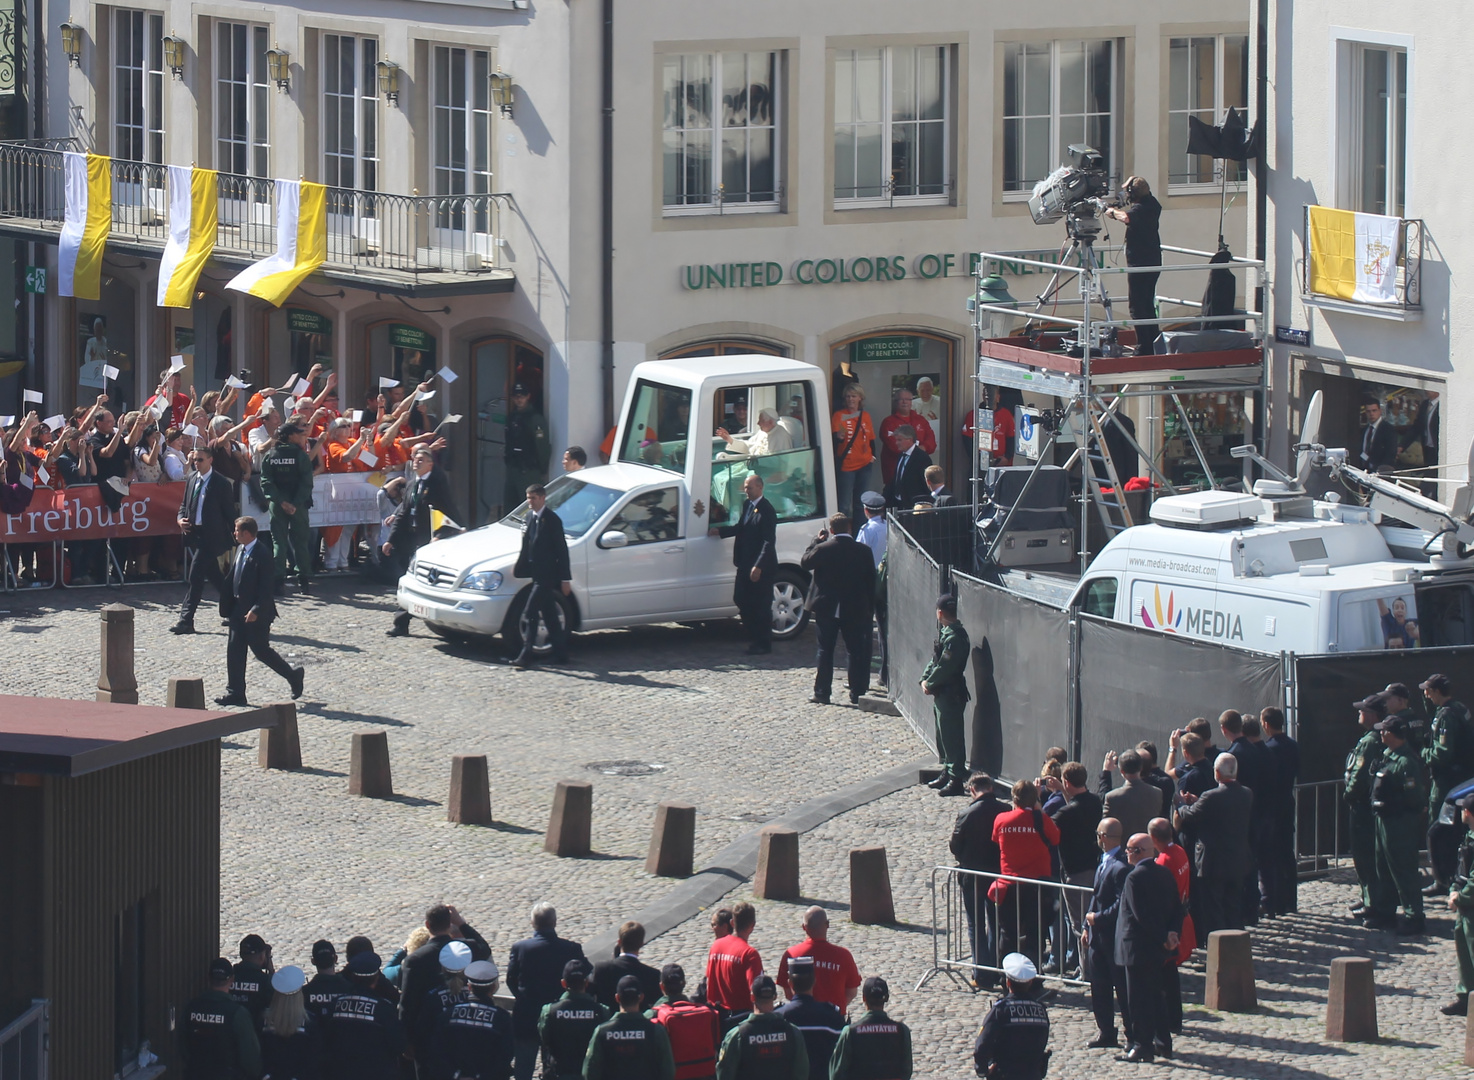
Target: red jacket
[1175,859]
[1024,852]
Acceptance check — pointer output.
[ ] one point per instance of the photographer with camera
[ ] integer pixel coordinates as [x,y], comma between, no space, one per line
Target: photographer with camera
[1143,248]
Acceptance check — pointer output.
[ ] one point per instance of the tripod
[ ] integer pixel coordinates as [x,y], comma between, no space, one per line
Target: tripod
[1082,226]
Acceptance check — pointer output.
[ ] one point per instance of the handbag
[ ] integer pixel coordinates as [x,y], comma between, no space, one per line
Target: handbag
[839,461]
[1053,848]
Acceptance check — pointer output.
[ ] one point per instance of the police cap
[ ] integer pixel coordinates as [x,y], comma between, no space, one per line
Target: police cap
[673,975]
[1019,968]
[628,989]
[1395,724]
[1397,689]
[875,987]
[576,969]
[220,969]
[1442,683]
[519,390]
[482,973]
[872,500]
[947,604]
[323,953]
[364,965]
[1372,703]
[289,980]
[764,987]
[455,956]
[252,944]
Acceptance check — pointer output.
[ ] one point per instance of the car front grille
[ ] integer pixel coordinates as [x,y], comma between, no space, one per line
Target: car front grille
[437,577]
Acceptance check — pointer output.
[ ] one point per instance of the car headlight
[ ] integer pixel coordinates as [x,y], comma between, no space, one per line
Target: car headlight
[483,580]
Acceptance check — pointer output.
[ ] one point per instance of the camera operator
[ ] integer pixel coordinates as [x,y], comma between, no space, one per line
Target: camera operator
[1143,248]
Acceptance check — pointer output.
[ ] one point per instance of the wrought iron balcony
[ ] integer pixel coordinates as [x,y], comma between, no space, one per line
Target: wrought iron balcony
[422,244]
[1407,264]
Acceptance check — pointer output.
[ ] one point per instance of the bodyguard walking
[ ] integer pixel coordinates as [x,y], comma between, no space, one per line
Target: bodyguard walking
[844,598]
[409,528]
[945,681]
[755,555]
[544,559]
[207,519]
[251,610]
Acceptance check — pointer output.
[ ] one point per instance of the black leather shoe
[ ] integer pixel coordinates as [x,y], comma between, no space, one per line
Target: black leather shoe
[1459,1006]
[305,588]
[1358,910]
[955,787]
[231,699]
[299,676]
[940,782]
[1162,1050]
[1379,922]
[855,698]
[1104,1042]
[182,627]
[1412,925]
[1435,889]
[817,700]
[1137,1055]
[397,631]
[523,661]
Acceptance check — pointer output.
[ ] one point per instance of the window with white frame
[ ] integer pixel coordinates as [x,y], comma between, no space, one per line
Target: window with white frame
[460,133]
[720,141]
[1207,76]
[1372,128]
[350,104]
[138,86]
[242,101]
[892,125]
[1056,94]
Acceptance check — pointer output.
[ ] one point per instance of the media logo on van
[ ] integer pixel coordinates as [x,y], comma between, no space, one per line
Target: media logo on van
[1171,621]
[1194,621]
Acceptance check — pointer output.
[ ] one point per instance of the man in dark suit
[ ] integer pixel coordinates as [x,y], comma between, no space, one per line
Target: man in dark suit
[1219,820]
[207,519]
[626,961]
[844,599]
[755,555]
[249,606]
[937,490]
[1106,983]
[1135,802]
[1256,772]
[535,978]
[409,528]
[1077,818]
[421,972]
[974,848]
[544,559]
[908,485]
[1277,869]
[1147,928]
[1378,441]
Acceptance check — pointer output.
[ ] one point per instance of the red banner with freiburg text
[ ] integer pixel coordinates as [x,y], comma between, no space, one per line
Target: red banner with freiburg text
[79,513]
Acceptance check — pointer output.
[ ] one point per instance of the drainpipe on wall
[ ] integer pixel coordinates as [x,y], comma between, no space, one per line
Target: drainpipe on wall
[606,223]
[1262,298]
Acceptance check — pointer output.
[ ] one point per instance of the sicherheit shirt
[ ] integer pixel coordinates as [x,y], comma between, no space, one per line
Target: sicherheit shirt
[731,965]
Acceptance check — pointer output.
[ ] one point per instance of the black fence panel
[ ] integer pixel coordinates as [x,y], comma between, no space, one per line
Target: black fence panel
[913,583]
[1020,678]
[945,533]
[1140,684]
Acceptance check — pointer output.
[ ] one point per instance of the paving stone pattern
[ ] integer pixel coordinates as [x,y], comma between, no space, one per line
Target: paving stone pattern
[303,859]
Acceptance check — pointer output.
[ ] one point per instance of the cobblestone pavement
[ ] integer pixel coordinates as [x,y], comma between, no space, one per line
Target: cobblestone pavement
[303,859]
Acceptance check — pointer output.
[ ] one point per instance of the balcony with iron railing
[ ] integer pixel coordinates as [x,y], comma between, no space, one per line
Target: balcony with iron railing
[1406,263]
[414,244]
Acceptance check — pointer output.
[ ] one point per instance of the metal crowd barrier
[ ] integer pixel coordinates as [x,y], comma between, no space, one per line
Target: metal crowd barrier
[1037,918]
[23,1044]
[1320,828]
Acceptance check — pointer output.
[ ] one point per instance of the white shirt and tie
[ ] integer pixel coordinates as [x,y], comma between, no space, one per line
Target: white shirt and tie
[202,485]
[240,564]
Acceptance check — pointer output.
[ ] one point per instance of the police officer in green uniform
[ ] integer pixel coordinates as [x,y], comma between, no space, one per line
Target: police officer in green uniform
[1399,802]
[945,680]
[627,1046]
[1461,903]
[286,481]
[1449,756]
[765,1046]
[218,1041]
[566,1025]
[527,448]
[1361,764]
[874,1047]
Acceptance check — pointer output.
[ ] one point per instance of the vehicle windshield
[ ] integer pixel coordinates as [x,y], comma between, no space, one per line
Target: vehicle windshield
[657,427]
[580,505]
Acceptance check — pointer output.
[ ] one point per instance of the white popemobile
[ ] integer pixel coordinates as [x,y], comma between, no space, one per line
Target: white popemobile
[649,534]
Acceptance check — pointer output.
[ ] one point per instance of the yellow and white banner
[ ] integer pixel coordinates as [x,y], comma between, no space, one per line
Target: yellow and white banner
[194,209]
[86,221]
[1354,256]
[301,243]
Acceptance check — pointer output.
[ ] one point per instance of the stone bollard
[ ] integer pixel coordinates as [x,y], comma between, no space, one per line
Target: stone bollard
[777,864]
[368,766]
[672,841]
[1469,1039]
[117,683]
[571,823]
[185,694]
[470,790]
[1351,1009]
[280,748]
[1230,972]
[870,887]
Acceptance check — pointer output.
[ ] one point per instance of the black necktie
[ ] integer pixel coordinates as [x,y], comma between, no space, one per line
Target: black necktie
[532,530]
[194,498]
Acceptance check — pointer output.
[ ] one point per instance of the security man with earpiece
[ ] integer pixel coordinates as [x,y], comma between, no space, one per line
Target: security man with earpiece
[875,1047]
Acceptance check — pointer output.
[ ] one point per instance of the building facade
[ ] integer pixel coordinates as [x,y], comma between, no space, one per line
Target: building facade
[1351,87]
[812,180]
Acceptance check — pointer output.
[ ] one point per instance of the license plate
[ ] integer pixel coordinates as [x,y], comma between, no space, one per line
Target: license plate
[420,611]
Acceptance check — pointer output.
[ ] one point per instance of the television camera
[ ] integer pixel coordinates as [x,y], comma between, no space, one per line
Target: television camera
[1074,192]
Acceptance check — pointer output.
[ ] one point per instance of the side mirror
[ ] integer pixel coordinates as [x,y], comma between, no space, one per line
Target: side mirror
[614,539]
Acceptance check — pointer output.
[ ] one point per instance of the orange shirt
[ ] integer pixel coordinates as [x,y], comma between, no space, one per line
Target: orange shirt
[339,462]
[390,453]
[861,451]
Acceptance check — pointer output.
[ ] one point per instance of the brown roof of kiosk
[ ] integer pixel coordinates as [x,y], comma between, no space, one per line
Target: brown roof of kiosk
[62,737]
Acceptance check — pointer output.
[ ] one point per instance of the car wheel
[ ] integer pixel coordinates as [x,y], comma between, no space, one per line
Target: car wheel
[790,605]
[514,629]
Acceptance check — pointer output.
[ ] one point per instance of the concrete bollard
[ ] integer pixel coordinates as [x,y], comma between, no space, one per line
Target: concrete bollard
[870,887]
[117,683]
[777,864]
[1230,972]
[368,766]
[280,748]
[672,841]
[570,825]
[1469,1039]
[1351,1008]
[470,791]
[185,694]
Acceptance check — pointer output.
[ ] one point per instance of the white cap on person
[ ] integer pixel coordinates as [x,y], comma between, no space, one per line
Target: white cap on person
[289,980]
[1019,968]
[456,956]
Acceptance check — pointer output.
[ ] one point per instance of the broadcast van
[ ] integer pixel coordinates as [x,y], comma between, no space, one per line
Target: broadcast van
[650,533]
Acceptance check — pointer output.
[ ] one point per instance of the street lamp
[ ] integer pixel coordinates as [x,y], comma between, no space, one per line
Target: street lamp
[174,55]
[279,67]
[388,72]
[501,91]
[993,290]
[71,42]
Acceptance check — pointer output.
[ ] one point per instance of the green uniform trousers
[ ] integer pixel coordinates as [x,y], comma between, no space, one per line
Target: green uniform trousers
[1398,840]
[1464,947]
[1363,837]
[291,532]
[951,742]
[518,480]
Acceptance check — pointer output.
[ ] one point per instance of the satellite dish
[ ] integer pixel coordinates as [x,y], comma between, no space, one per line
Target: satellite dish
[1463,500]
[1309,434]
